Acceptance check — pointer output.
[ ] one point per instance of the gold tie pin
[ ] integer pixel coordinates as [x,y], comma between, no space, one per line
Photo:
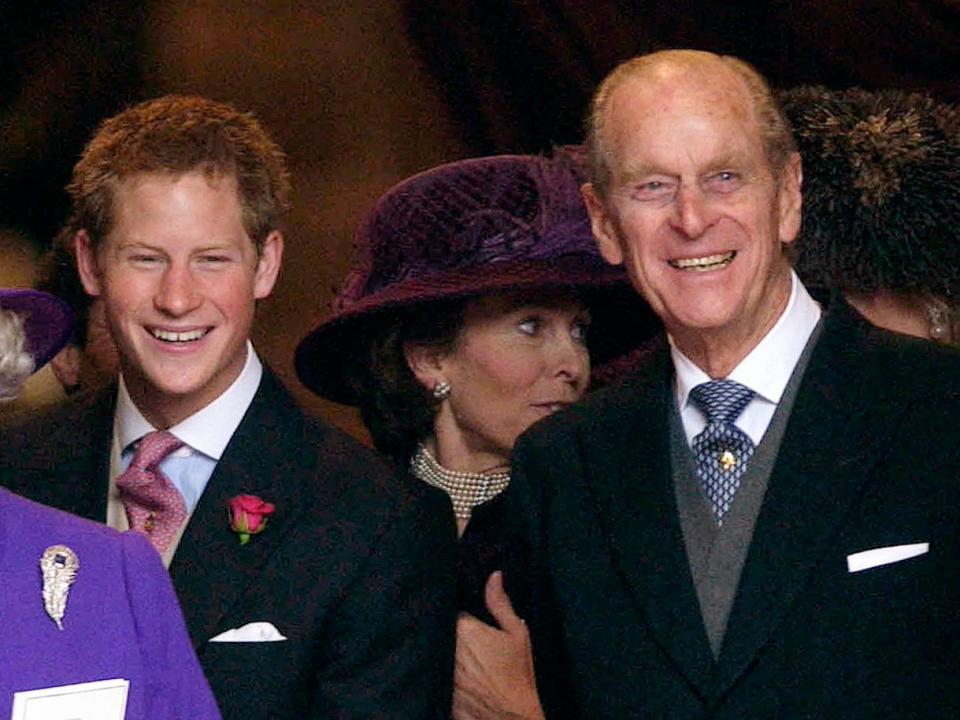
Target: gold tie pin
[728,461]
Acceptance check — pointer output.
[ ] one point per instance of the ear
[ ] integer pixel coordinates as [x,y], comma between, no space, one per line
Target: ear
[268,265]
[604,229]
[426,362]
[88,266]
[66,367]
[791,199]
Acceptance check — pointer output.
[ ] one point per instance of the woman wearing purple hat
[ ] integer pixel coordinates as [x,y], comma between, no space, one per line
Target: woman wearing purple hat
[464,322]
[91,626]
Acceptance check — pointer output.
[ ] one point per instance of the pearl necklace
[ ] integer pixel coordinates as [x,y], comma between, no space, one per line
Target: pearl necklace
[466,489]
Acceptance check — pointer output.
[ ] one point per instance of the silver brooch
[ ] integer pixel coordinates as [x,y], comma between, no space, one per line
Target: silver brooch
[59,567]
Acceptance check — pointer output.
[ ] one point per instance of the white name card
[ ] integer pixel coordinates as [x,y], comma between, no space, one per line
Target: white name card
[100,700]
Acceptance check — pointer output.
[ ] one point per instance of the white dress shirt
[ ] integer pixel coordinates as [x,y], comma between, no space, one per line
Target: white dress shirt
[205,435]
[766,369]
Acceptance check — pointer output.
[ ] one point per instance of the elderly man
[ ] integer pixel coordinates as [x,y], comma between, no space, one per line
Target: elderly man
[762,522]
[309,577]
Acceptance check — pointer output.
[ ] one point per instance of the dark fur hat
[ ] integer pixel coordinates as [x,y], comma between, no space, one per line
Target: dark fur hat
[881,190]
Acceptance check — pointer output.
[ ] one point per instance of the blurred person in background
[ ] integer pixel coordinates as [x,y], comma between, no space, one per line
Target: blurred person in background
[18,265]
[475,309]
[881,204]
[89,361]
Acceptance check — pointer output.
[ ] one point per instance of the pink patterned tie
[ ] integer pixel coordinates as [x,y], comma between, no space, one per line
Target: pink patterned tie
[154,506]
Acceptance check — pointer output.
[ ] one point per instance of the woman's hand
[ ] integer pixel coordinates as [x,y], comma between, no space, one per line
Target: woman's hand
[494,678]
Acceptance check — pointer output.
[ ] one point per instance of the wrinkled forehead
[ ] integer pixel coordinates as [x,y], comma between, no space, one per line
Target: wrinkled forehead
[707,118]
[692,78]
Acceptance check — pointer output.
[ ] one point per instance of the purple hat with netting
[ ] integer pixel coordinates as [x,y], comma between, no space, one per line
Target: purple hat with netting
[508,222]
[47,321]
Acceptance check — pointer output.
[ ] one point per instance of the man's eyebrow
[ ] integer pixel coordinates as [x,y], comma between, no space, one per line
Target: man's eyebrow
[636,172]
[136,244]
[732,160]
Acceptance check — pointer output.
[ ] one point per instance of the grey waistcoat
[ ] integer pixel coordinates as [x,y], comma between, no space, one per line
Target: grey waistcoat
[716,554]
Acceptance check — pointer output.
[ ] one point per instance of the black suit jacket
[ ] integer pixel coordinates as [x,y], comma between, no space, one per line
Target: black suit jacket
[870,459]
[355,567]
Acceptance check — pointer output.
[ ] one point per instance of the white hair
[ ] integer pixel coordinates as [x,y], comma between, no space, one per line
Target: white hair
[16,364]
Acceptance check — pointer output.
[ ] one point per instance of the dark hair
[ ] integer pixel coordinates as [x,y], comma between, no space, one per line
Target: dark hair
[57,274]
[179,134]
[397,409]
[881,199]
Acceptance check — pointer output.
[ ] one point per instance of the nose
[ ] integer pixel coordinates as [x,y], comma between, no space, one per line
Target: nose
[690,215]
[177,294]
[572,364]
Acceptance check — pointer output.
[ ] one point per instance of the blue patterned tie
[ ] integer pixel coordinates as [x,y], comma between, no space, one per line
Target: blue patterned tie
[722,449]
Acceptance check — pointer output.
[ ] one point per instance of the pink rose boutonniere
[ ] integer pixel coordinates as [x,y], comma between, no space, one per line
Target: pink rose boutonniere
[248,515]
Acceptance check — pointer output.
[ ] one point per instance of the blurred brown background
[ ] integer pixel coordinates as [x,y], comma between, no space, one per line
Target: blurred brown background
[363,94]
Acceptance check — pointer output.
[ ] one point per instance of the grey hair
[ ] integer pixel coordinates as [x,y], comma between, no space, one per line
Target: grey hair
[16,364]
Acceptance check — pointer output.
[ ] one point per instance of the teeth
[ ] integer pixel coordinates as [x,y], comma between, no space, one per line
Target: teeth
[701,264]
[168,336]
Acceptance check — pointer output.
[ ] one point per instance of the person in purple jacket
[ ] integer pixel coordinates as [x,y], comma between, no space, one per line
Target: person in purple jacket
[90,622]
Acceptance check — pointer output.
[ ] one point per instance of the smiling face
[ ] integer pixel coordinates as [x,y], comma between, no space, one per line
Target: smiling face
[517,360]
[178,276]
[694,211]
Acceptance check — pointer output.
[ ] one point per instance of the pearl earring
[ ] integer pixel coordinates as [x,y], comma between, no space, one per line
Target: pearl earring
[441,391]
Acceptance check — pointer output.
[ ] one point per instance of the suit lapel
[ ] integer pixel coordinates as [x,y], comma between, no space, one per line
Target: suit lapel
[843,412]
[628,463]
[80,469]
[267,456]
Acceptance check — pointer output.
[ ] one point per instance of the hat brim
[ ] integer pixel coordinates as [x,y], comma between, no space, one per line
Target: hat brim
[47,321]
[620,319]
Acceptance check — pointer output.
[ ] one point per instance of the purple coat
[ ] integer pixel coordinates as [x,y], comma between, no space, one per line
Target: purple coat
[121,621]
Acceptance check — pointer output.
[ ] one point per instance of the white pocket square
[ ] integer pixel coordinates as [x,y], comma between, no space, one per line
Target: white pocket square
[884,556]
[251,632]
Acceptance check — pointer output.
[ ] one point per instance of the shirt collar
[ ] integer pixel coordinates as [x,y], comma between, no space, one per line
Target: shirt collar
[209,429]
[767,368]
